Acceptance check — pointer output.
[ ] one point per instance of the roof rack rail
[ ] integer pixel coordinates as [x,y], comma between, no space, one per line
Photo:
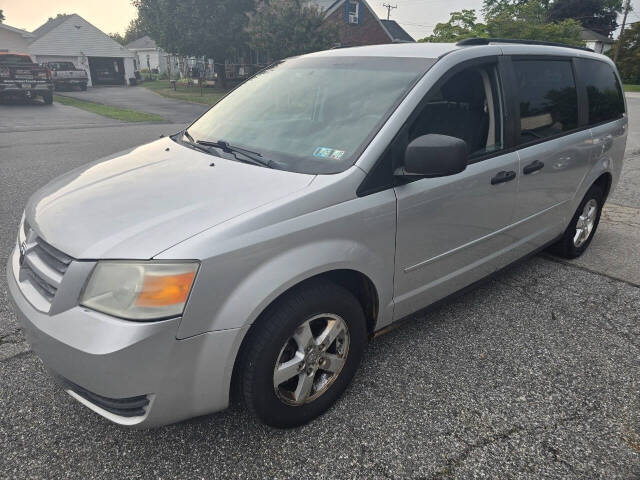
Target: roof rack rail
[467,42]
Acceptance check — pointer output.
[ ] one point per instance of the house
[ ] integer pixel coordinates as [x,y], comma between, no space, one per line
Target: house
[596,41]
[396,32]
[13,39]
[358,24]
[71,38]
[148,54]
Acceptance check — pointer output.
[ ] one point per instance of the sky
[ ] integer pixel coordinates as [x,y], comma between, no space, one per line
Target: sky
[418,17]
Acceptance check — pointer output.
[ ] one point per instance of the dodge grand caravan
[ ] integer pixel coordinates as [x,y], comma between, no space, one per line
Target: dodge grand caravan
[328,196]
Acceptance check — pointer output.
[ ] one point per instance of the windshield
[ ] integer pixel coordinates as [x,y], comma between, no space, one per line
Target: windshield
[15,59]
[312,115]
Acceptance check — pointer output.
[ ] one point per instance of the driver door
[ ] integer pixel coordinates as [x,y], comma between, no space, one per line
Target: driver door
[454,230]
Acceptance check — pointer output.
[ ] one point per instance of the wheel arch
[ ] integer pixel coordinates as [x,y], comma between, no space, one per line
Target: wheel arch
[604,181]
[356,282]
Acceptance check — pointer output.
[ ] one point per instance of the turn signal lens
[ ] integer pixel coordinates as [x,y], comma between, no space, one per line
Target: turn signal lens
[139,290]
[160,291]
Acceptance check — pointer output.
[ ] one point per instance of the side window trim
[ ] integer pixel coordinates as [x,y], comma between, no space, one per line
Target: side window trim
[583,101]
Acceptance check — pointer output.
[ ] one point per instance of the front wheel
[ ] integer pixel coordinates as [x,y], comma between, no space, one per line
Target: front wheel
[583,226]
[48,98]
[302,354]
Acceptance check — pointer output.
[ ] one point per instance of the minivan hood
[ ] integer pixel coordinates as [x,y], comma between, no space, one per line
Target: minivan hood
[142,202]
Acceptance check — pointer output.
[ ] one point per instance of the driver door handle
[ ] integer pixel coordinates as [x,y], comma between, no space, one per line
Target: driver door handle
[502,177]
[533,167]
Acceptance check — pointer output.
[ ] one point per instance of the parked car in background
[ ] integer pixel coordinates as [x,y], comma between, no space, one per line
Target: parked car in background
[20,76]
[65,75]
[257,250]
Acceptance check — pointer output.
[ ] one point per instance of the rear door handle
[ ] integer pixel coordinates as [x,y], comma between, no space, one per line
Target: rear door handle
[503,176]
[533,167]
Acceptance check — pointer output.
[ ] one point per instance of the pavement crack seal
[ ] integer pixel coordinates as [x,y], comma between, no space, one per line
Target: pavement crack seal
[587,269]
[17,356]
[455,462]
[606,322]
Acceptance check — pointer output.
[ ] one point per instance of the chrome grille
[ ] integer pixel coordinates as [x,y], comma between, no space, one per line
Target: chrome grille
[43,265]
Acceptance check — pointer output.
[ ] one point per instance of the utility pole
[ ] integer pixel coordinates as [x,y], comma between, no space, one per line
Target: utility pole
[627,7]
[390,7]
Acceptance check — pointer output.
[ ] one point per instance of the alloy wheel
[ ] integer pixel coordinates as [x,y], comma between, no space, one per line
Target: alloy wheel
[586,222]
[311,359]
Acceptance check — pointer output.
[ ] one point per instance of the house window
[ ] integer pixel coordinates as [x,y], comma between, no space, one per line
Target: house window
[353,12]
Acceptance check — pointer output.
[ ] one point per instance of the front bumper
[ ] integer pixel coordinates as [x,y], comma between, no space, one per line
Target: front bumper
[120,360]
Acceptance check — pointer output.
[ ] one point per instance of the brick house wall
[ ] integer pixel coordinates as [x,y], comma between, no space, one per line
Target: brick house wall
[368,32]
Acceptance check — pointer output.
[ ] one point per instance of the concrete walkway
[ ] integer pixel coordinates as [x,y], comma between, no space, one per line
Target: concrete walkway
[143,100]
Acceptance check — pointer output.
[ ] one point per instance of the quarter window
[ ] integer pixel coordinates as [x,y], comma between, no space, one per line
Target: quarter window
[547,96]
[604,93]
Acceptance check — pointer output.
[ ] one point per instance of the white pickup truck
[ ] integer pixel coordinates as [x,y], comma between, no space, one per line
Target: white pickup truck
[65,75]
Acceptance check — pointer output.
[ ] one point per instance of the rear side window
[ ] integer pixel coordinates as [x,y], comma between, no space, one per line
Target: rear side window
[604,93]
[548,99]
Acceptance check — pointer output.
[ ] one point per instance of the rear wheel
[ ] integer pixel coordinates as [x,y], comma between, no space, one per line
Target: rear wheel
[48,98]
[583,226]
[83,87]
[302,354]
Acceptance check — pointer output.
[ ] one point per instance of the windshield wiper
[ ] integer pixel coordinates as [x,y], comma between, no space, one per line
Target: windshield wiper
[193,142]
[251,156]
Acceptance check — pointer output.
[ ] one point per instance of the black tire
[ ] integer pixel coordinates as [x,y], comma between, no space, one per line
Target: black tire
[566,247]
[83,87]
[255,374]
[48,98]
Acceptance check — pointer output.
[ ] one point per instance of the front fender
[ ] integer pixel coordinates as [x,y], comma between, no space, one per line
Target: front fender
[245,272]
[273,278]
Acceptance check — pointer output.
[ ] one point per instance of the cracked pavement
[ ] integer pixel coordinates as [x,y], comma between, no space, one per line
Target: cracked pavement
[535,374]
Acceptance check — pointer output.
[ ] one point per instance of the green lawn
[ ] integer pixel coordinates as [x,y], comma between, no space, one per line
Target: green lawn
[209,96]
[107,111]
[632,88]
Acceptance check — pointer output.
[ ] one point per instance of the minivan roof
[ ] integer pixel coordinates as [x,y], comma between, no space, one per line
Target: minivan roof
[437,50]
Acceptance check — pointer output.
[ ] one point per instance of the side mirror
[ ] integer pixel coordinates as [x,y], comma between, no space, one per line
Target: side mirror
[434,156]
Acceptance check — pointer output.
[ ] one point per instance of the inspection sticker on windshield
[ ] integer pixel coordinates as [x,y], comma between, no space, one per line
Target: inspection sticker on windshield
[324,152]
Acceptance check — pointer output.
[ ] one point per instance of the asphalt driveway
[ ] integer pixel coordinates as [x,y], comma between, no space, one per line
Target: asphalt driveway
[536,374]
[142,100]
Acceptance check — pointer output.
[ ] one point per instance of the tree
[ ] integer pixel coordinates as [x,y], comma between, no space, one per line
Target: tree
[283,28]
[529,20]
[461,25]
[213,28]
[598,15]
[629,55]
[118,38]
[1,16]
[134,31]
[517,19]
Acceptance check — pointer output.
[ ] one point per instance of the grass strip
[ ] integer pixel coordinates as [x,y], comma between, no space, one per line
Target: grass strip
[210,96]
[116,113]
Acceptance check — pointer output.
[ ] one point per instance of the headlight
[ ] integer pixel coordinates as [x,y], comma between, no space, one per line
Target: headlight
[139,290]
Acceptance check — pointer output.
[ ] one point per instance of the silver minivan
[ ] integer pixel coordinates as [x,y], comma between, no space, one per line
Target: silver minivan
[257,251]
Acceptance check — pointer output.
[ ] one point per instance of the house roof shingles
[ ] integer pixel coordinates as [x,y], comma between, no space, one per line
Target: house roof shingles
[324,5]
[49,25]
[71,35]
[143,43]
[589,35]
[396,32]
